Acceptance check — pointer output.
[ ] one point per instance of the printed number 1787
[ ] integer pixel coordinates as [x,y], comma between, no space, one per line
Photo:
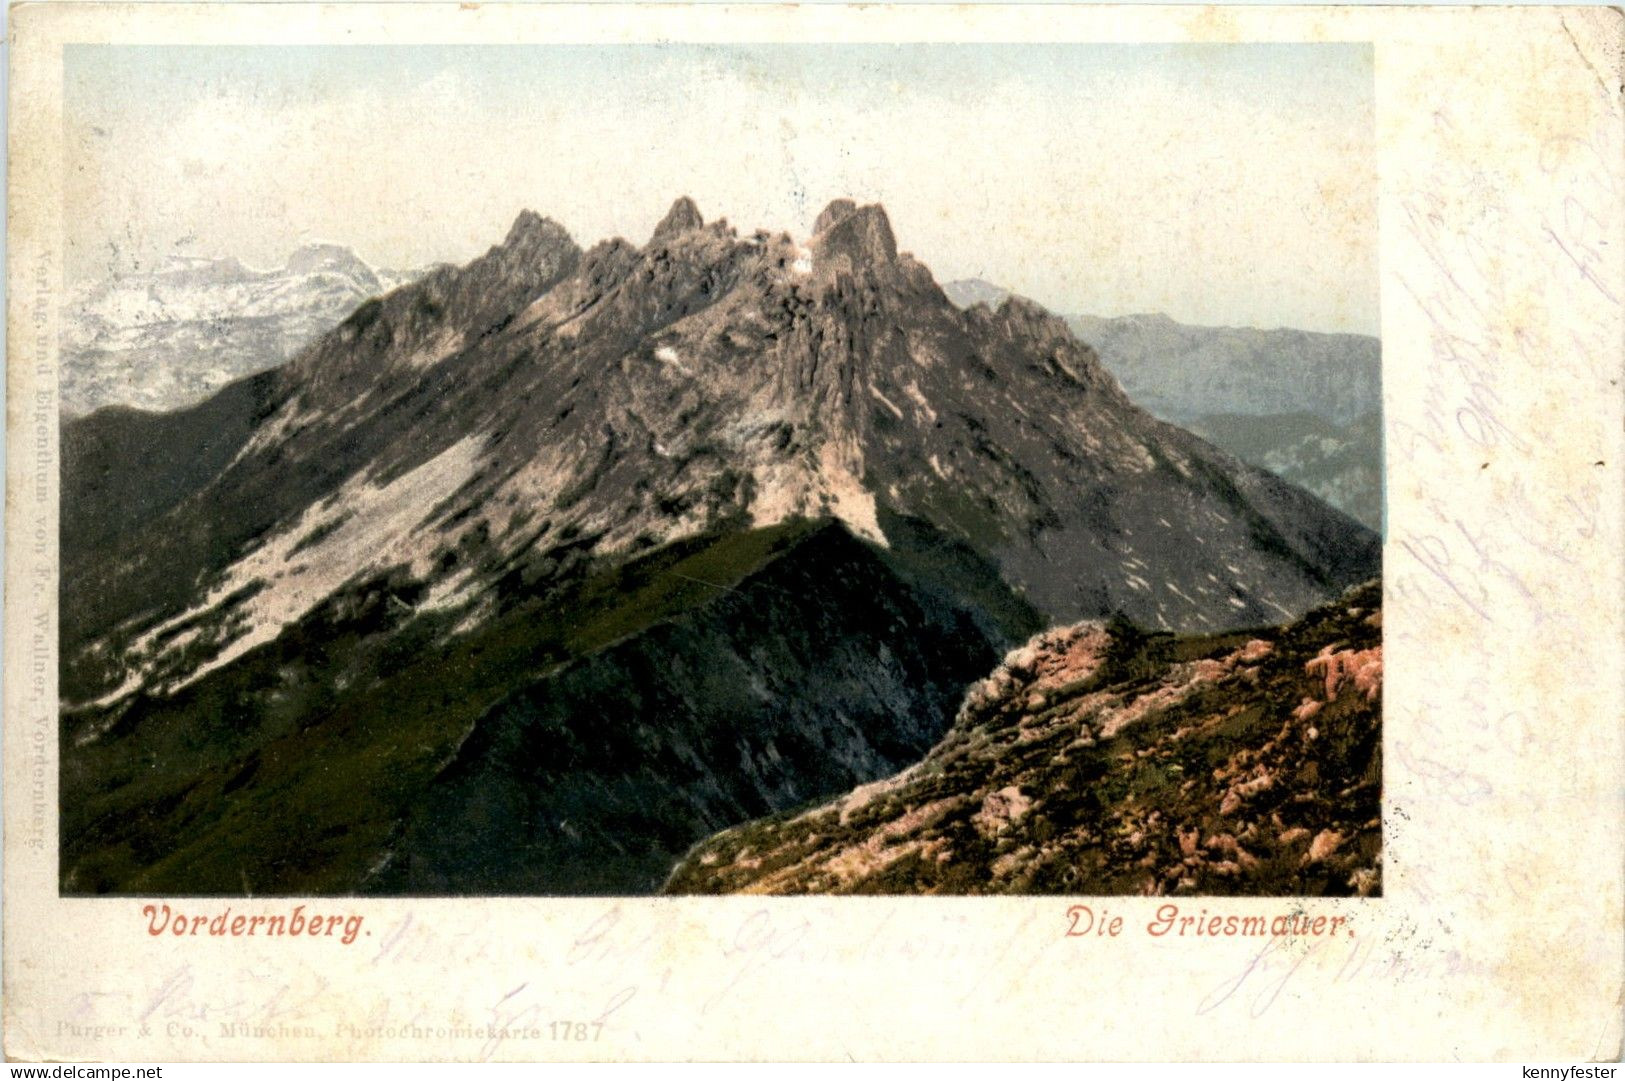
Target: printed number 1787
[576,1030]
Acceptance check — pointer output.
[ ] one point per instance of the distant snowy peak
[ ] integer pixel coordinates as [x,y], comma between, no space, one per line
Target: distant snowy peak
[969,292]
[202,287]
[161,338]
[316,257]
[197,271]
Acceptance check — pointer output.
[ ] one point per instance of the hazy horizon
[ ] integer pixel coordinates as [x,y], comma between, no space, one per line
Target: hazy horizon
[1217,184]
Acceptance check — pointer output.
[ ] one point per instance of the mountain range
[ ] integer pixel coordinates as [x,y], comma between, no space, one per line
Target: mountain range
[532,573]
[165,338]
[1306,406]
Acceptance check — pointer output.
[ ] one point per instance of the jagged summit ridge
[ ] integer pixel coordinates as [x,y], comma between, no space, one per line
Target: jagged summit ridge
[542,401]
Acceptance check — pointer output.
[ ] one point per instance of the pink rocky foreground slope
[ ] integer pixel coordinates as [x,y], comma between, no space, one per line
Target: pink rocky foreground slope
[1103,760]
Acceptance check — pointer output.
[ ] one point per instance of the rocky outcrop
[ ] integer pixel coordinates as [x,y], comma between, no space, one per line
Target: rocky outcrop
[1096,760]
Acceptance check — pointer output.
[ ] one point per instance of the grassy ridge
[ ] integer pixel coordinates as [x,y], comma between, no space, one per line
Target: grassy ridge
[288,769]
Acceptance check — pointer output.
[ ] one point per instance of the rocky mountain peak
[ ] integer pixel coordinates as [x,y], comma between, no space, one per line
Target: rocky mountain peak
[534,255]
[862,234]
[683,217]
[532,234]
[834,212]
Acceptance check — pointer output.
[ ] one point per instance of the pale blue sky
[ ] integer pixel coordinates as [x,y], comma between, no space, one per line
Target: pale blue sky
[1218,183]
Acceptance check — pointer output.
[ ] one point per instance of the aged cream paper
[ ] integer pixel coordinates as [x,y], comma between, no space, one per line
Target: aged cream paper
[1499,934]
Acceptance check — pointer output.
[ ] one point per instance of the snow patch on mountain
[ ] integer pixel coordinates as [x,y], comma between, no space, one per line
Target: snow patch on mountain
[364,527]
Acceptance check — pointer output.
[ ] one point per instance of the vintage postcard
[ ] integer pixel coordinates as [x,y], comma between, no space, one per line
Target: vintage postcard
[687,531]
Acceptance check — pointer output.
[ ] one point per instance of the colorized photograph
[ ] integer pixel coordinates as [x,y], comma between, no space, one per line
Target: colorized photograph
[620,470]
